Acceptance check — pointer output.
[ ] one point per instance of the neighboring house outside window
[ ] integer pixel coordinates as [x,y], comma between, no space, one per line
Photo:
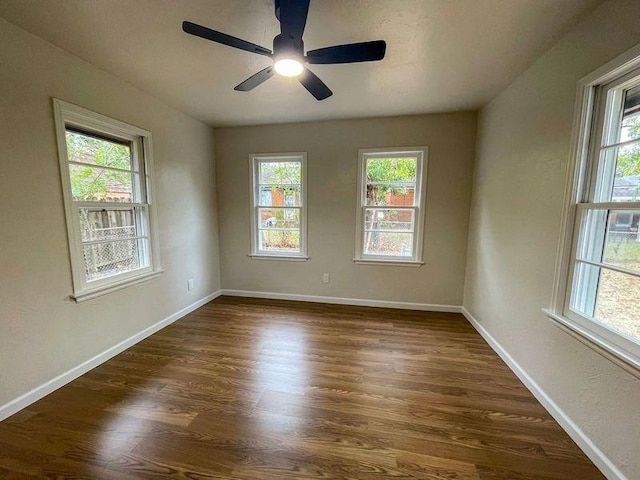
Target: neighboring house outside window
[391,203]
[106,169]
[278,206]
[597,293]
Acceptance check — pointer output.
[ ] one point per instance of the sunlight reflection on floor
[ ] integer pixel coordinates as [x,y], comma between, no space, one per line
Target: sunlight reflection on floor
[282,367]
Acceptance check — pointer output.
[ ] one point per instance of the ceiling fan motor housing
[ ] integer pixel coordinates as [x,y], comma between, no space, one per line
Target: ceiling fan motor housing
[285,46]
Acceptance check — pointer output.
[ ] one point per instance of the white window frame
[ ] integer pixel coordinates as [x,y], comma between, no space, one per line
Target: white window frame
[83,120]
[255,159]
[588,121]
[421,154]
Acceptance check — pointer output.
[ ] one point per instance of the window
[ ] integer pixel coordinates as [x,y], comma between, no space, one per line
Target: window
[106,170]
[598,282]
[278,206]
[391,199]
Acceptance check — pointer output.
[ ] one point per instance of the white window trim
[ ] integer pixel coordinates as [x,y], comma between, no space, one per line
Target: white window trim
[590,332]
[69,114]
[254,194]
[421,194]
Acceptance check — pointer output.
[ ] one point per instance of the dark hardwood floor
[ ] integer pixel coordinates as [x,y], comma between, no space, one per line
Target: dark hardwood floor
[258,389]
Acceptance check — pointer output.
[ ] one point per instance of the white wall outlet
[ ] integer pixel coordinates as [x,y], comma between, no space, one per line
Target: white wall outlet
[325,278]
[190,284]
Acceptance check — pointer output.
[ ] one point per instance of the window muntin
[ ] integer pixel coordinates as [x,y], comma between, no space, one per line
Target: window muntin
[391,204]
[604,284]
[278,211]
[105,167]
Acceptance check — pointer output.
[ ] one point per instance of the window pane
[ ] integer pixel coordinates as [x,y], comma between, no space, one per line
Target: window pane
[391,170]
[626,183]
[622,243]
[279,218]
[630,129]
[618,302]
[388,243]
[99,184]
[105,224]
[400,220]
[612,237]
[279,240]
[280,173]
[397,195]
[280,196]
[97,151]
[108,259]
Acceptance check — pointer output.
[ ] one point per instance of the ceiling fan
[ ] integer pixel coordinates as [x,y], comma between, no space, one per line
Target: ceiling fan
[288,50]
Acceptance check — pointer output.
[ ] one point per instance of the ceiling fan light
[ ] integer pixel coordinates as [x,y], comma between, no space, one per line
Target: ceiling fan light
[288,67]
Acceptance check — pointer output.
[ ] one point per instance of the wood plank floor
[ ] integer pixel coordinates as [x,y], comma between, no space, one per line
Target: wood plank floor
[259,389]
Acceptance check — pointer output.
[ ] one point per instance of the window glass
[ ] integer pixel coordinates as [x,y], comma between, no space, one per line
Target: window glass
[106,232]
[99,184]
[87,148]
[103,224]
[391,181]
[630,128]
[617,302]
[280,173]
[111,258]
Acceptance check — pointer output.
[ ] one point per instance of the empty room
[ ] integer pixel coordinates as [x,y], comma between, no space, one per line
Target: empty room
[339,239]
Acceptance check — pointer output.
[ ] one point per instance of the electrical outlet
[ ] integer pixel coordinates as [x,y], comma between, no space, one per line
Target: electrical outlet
[190,284]
[325,278]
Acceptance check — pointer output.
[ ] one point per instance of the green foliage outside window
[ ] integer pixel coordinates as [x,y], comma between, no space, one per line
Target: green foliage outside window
[89,183]
[387,170]
[629,157]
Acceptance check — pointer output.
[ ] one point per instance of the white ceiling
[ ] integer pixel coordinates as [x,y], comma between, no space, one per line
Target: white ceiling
[442,55]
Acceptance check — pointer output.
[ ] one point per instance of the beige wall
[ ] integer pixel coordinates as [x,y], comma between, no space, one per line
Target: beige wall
[42,333]
[332,157]
[518,189]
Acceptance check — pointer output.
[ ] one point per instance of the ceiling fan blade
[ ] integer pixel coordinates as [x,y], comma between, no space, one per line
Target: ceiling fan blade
[350,53]
[255,80]
[223,38]
[293,16]
[314,85]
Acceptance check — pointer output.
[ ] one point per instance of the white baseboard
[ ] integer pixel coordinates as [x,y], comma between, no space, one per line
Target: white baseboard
[46,388]
[344,301]
[596,455]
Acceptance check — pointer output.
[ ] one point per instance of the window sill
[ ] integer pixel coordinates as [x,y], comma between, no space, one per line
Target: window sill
[286,258]
[595,342]
[392,263]
[97,292]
